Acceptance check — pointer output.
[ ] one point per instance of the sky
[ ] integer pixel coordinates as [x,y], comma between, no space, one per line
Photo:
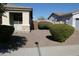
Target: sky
[45,9]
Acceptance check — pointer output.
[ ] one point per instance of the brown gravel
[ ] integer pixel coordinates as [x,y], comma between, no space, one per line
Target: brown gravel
[40,36]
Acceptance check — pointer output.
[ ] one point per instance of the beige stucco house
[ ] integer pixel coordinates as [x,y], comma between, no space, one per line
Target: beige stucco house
[18,16]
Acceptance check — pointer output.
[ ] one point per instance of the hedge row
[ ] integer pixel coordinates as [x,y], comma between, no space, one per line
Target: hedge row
[44,25]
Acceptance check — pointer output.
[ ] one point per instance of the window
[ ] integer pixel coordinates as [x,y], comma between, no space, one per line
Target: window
[17,18]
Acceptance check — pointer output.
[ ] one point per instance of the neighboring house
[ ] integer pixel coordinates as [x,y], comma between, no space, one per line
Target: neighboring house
[71,18]
[18,16]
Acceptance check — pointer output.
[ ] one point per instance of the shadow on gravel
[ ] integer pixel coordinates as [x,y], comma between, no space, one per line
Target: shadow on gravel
[13,44]
[51,38]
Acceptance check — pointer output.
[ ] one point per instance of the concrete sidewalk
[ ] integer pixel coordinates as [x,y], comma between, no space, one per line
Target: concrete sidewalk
[69,50]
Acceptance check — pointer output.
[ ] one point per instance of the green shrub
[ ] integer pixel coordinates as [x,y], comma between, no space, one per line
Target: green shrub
[44,25]
[60,32]
[5,32]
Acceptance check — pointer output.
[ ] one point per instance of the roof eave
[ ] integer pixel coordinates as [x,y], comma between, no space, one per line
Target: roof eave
[17,9]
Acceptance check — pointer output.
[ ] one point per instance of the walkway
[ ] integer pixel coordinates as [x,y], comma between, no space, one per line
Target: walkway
[47,51]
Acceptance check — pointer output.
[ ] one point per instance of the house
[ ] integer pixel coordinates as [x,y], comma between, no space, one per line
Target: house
[18,16]
[71,18]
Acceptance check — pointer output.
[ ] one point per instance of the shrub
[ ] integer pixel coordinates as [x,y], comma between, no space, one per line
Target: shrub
[5,32]
[44,25]
[60,32]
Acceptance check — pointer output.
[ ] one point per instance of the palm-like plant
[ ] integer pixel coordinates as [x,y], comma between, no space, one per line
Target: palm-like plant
[2,8]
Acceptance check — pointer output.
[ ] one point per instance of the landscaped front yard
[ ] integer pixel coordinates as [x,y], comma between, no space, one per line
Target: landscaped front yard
[27,40]
[41,37]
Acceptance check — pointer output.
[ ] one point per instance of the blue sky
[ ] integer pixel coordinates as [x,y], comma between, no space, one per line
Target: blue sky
[45,9]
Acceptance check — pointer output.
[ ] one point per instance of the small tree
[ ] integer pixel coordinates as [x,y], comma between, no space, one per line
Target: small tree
[41,18]
[2,8]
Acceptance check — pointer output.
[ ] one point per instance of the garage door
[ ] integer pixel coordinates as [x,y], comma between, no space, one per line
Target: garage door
[77,23]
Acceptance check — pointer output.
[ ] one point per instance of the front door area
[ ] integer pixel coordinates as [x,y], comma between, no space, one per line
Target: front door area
[16,20]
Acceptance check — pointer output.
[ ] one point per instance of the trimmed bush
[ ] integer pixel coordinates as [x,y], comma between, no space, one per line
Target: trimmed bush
[5,33]
[60,32]
[44,25]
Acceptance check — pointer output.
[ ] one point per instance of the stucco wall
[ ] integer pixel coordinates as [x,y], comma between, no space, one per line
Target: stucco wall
[5,18]
[74,19]
[26,21]
[26,18]
[69,22]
